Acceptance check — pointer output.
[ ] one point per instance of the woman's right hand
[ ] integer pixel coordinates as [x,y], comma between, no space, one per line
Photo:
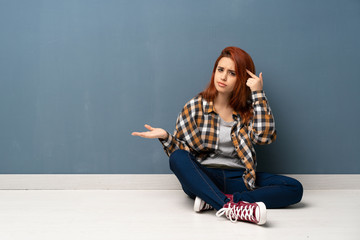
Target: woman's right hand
[152,133]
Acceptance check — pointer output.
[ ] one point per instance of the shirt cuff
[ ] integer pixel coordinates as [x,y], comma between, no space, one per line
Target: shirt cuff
[166,142]
[258,96]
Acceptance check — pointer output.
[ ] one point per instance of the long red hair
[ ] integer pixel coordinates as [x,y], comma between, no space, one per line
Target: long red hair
[240,99]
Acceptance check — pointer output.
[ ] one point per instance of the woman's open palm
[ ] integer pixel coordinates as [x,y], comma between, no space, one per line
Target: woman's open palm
[152,133]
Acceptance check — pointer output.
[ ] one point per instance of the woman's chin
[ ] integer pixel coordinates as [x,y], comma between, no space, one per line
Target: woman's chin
[222,91]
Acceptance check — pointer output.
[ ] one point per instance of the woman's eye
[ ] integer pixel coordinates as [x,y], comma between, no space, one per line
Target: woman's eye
[232,74]
[220,69]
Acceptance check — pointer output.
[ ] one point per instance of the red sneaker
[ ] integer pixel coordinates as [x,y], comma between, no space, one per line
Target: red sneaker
[201,205]
[244,211]
[230,196]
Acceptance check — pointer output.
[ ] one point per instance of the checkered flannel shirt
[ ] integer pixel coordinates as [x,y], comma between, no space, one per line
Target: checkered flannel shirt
[197,131]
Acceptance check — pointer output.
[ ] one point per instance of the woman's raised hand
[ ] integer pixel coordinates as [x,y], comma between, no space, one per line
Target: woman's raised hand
[152,133]
[255,83]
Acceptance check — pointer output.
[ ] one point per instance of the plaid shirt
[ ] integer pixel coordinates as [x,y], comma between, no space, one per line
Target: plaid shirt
[197,131]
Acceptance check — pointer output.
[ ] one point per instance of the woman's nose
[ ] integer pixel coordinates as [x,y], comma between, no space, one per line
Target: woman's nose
[223,76]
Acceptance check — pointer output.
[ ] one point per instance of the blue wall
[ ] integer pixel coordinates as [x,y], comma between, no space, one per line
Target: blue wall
[78,76]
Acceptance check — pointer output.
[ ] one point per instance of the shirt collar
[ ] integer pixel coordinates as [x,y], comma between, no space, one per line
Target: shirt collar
[211,108]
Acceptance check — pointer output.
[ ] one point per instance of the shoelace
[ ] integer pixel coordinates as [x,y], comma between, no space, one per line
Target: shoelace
[234,212]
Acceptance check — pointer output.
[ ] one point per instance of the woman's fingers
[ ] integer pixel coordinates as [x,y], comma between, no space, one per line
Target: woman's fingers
[136,134]
[152,133]
[149,127]
[248,83]
[254,82]
[251,74]
[142,134]
[254,76]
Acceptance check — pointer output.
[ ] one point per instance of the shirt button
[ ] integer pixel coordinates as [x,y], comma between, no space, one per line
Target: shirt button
[237,147]
[233,134]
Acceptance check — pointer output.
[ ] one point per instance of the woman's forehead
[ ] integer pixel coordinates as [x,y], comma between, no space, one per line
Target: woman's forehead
[227,63]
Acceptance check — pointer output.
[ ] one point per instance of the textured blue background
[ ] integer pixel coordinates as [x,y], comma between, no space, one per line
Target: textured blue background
[78,76]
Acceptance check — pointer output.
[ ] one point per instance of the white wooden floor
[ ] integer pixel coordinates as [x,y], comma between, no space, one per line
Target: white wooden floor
[167,214]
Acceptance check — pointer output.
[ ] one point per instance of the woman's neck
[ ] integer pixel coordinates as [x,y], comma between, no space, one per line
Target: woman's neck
[222,101]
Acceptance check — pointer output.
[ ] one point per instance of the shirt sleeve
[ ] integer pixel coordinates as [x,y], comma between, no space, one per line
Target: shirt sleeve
[262,127]
[186,133]
[172,144]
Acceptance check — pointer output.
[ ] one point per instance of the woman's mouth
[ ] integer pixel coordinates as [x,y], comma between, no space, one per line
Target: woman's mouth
[221,84]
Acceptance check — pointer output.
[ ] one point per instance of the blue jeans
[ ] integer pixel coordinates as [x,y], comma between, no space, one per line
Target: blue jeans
[211,184]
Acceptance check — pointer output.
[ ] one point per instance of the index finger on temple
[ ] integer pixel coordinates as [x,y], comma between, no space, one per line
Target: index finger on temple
[250,73]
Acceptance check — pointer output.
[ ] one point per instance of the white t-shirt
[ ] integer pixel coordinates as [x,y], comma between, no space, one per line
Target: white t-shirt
[225,156]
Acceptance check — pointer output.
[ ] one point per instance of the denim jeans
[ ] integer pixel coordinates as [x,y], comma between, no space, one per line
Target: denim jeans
[211,184]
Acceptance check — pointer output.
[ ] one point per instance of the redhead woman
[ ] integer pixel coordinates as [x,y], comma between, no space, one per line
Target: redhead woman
[212,151]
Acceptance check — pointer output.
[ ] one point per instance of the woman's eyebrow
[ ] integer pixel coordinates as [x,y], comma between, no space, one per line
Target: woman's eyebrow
[223,68]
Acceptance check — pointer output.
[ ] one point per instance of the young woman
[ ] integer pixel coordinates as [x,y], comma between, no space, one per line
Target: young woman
[212,149]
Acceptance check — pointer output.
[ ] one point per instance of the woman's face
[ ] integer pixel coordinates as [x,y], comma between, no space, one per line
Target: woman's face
[225,76]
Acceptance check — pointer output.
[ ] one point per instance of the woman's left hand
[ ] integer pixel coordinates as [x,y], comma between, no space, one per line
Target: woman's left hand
[255,83]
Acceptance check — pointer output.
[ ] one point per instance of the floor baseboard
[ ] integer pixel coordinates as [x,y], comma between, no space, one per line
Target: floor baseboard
[150,181]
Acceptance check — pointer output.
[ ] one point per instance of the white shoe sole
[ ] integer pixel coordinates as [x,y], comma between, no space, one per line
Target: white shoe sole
[261,213]
[198,204]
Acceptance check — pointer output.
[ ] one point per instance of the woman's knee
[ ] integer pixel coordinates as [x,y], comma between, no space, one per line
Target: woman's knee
[297,189]
[177,157]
